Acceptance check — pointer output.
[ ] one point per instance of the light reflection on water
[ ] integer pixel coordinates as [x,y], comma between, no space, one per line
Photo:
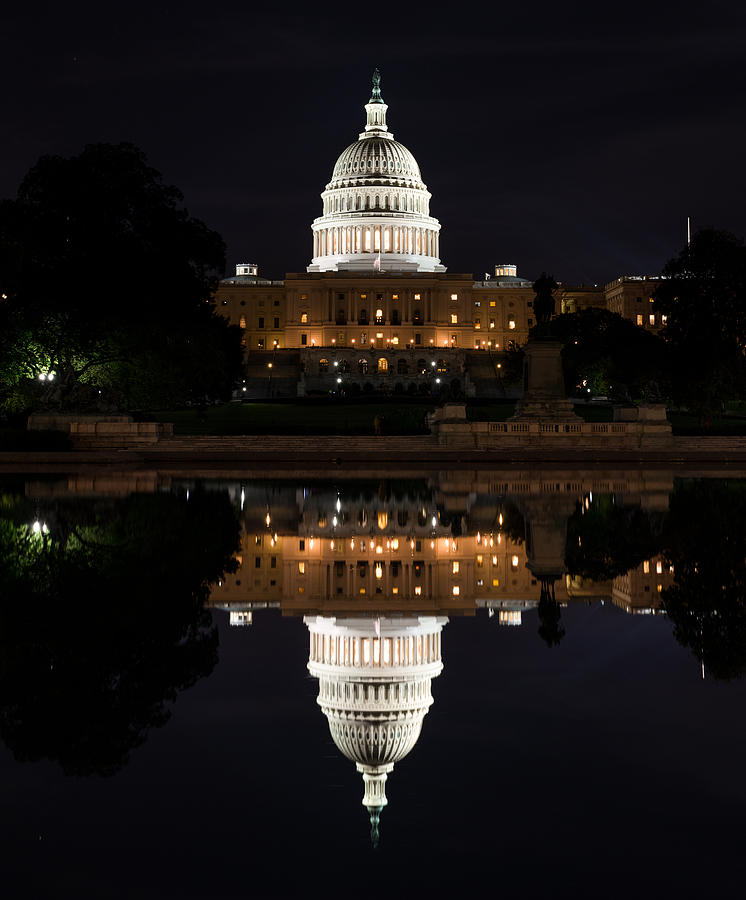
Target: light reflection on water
[107,587]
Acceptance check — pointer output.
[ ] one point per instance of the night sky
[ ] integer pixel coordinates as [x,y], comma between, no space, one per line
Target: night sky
[568,137]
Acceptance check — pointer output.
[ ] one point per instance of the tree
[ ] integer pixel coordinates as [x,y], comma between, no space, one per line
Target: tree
[605,353]
[703,296]
[107,281]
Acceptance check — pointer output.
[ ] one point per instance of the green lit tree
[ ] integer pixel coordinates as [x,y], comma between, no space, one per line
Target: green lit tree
[106,281]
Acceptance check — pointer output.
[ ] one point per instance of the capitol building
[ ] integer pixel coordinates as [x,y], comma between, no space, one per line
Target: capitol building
[376,308]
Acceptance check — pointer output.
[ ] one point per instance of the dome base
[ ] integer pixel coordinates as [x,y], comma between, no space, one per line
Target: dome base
[372,262]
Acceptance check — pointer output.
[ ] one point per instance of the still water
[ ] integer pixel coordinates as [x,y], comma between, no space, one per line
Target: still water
[523,683]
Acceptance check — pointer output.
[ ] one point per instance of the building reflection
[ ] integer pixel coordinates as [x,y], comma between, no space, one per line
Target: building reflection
[375,680]
[375,570]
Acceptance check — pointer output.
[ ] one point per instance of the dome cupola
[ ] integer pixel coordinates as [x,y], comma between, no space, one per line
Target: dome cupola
[376,208]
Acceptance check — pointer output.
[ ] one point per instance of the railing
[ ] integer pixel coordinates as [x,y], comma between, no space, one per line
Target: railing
[559,428]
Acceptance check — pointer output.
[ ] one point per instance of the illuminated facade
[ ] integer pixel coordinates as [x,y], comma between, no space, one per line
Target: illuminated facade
[376,283]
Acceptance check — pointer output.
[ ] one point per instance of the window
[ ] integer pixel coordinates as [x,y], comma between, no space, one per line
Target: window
[639,318]
[395,297]
[417,338]
[383,365]
[511,323]
[417,297]
[455,567]
[323,364]
[664,319]
[260,343]
[304,296]
[477,303]
[301,568]
[651,318]
[646,567]
[257,562]
[276,322]
[379,316]
[304,318]
[276,303]
[273,562]
[454,319]
[492,302]
[301,545]
[492,323]
[261,321]
[340,296]
[454,296]
[242,322]
[477,324]
[304,340]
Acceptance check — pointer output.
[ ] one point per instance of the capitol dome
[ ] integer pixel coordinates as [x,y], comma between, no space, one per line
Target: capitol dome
[376,208]
[375,689]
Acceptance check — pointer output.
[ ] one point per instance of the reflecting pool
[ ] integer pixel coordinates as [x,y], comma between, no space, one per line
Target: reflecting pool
[529,682]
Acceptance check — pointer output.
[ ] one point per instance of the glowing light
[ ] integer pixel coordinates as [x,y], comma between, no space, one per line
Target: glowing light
[500,519]
[267,519]
[456,590]
[435,521]
[379,571]
[395,544]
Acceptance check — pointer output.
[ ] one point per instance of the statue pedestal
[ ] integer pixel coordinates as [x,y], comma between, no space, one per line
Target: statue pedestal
[543,397]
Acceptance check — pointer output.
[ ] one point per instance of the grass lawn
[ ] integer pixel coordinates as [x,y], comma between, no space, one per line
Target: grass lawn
[308,417]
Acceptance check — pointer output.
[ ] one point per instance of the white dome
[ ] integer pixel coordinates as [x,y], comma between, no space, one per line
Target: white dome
[376,208]
[375,679]
[378,158]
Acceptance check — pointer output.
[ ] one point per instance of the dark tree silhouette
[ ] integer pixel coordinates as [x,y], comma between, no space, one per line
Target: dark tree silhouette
[703,296]
[107,281]
[103,620]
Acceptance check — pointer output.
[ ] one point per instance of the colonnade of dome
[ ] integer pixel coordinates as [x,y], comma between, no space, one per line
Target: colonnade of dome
[376,208]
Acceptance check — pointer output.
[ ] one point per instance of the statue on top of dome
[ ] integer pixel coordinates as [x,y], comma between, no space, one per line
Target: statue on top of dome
[375,96]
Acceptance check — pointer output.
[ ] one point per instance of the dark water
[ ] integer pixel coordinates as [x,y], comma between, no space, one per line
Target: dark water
[152,749]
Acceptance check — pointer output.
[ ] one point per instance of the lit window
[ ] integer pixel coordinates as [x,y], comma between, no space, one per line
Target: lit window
[664,319]
[394,296]
[395,340]
[301,589]
[395,590]
[660,588]
[511,323]
[480,560]
[416,296]
[301,568]
[492,323]
[651,318]
[477,324]
[304,318]
[480,582]
[242,322]
[514,562]
[454,319]
[492,302]
[379,334]
[379,571]
[456,590]
[494,560]
[646,567]
[495,582]
[455,567]
[454,296]
[418,591]
[659,567]
[304,296]
[639,318]
[477,303]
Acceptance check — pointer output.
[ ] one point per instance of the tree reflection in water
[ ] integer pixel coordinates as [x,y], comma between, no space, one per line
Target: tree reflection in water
[706,544]
[703,537]
[103,619]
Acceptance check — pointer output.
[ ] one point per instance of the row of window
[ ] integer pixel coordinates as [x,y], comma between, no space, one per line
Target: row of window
[402,366]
